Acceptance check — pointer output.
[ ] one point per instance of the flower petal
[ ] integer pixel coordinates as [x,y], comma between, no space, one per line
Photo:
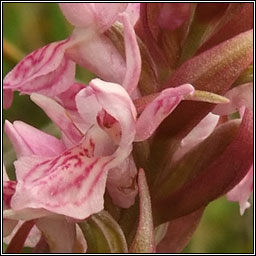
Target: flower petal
[198,134]
[98,15]
[67,98]
[47,71]
[95,52]
[116,102]
[133,58]
[28,140]
[242,191]
[59,116]
[72,183]
[8,192]
[239,96]
[133,11]
[159,109]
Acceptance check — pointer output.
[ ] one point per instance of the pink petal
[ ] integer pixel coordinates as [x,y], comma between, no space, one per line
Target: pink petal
[100,16]
[198,134]
[8,192]
[242,192]
[115,101]
[59,116]
[159,109]
[7,98]
[46,71]
[132,53]
[28,140]
[79,15]
[58,232]
[107,13]
[173,15]
[95,52]
[67,98]
[133,11]
[71,183]
[239,96]
[121,183]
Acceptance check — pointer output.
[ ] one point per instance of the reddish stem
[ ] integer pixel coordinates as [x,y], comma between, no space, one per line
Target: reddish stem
[17,242]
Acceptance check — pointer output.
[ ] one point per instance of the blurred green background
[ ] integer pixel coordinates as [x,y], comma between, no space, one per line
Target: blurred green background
[28,26]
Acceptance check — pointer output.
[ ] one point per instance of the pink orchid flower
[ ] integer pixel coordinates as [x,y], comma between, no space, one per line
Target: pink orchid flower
[241,97]
[50,172]
[50,70]
[109,129]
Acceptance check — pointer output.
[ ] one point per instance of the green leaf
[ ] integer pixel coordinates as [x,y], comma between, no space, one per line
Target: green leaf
[103,234]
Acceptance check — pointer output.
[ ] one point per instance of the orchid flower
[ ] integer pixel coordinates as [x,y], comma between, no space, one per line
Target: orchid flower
[50,171]
[146,145]
[43,70]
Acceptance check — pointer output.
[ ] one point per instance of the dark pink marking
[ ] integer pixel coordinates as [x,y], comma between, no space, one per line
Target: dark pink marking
[77,183]
[8,191]
[92,145]
[33,60]
[74,157]
[94,183]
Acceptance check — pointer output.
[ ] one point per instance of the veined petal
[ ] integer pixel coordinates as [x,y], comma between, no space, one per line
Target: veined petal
[98,15]
[242,192]
[59,116]
[47,71]
[58,232]
[133,58]
[8,192]
[28,140]
[72,183]
[67,98]
[239,96]
[159,109]
[198,134]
